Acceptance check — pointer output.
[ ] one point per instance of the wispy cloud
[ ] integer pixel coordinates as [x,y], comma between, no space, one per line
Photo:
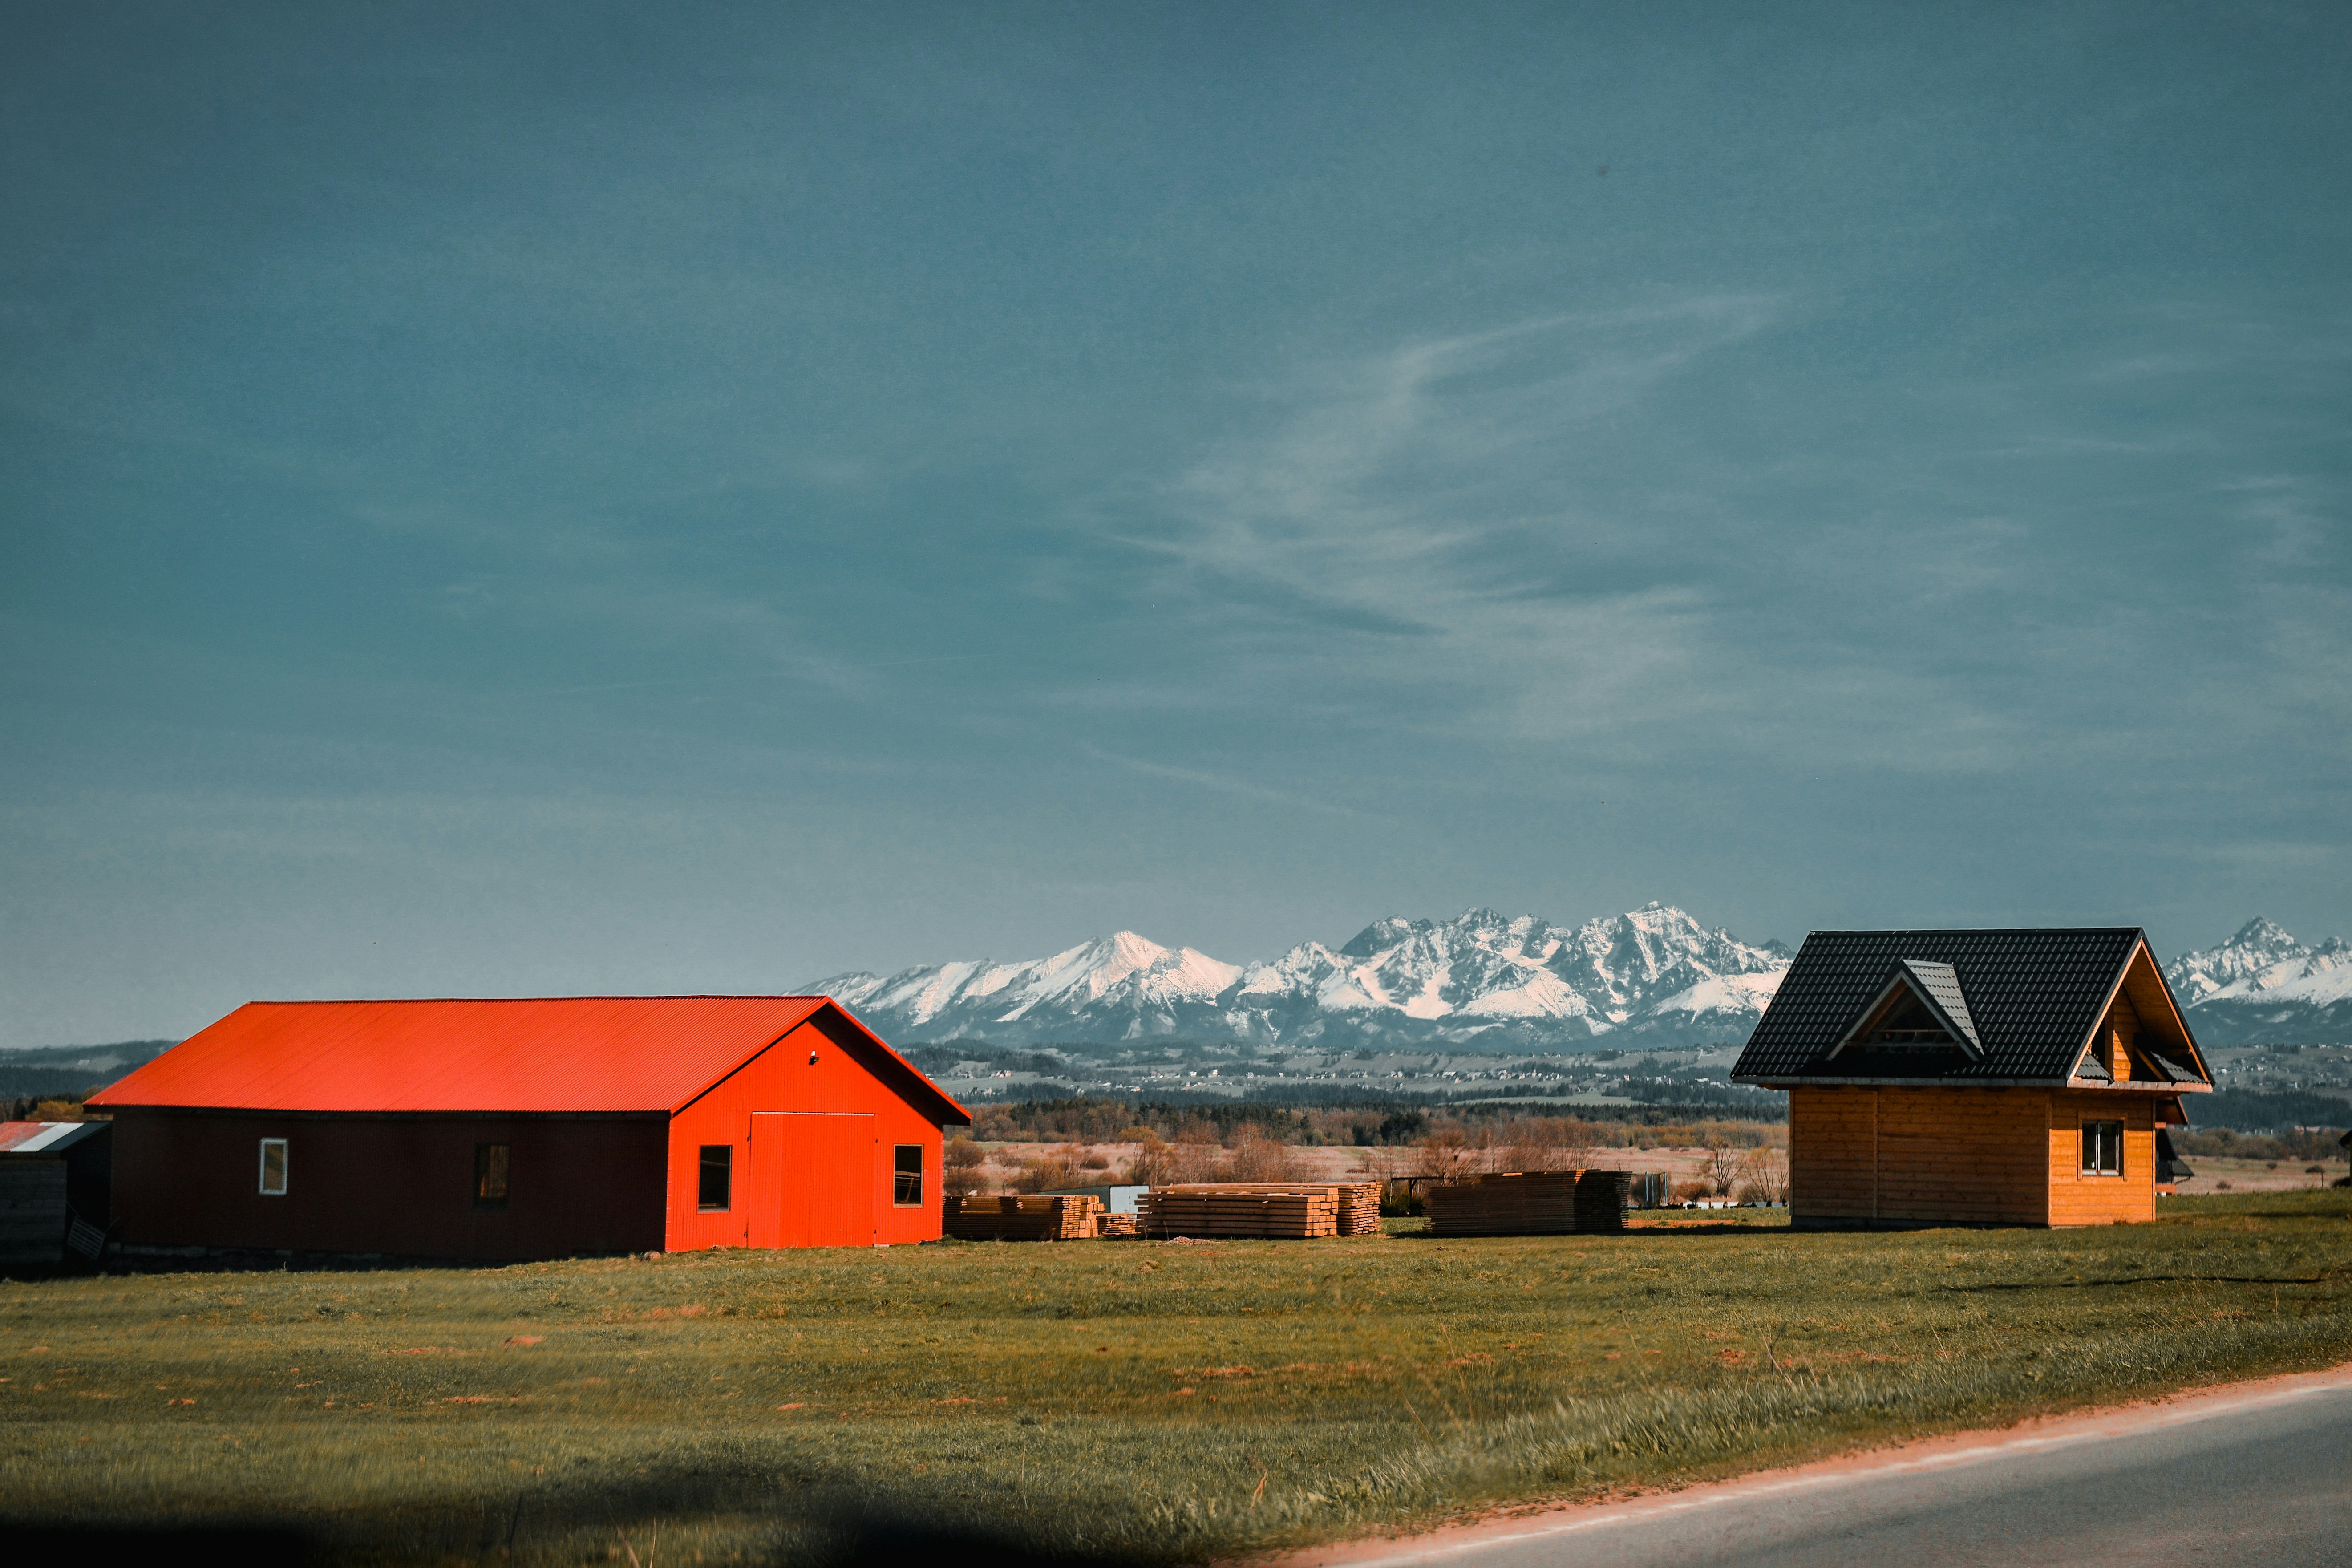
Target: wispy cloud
[1433,522]
[1223,783]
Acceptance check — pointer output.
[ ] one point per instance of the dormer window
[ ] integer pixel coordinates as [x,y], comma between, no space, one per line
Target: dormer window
[1920,1008]
[1909,1025]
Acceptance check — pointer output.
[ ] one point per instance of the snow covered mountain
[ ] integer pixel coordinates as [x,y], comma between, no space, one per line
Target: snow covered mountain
[1654,974]
[2261,986]
[1525,983]
[1115,987]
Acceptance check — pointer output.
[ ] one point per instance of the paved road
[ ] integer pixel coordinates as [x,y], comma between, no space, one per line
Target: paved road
[2258,1479]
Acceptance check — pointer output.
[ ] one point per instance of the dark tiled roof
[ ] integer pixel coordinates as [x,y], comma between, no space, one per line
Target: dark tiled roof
[2033,996]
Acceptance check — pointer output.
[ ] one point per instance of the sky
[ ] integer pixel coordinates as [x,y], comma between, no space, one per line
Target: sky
[523,499]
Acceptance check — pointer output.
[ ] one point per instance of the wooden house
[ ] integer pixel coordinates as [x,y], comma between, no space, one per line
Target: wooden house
[529,1127]
[1975,1077]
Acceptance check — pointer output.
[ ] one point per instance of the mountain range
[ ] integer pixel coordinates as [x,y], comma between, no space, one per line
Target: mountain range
[1654,973]
[1488,982]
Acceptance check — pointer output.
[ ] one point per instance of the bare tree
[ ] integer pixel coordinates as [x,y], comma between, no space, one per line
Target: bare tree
[1763,1176]
[1723,1163]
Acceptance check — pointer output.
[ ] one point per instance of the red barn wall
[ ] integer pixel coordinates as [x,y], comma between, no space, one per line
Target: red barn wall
[397,1184]
[841,1081]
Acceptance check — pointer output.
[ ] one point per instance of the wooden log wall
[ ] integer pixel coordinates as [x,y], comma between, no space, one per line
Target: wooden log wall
[2079,1199]
[1913,1156]
[1949,1155]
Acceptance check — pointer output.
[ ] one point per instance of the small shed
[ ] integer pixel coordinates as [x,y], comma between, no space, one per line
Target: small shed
[51,1172]
[529,1127]
[2007,1076]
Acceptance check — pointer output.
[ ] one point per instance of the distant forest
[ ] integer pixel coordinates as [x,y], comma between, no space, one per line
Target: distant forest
[69,1072]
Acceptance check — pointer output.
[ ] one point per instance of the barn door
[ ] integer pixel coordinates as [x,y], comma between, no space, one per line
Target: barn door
[812,1180]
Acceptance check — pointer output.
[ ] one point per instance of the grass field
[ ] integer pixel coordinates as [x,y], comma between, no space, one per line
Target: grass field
[1126,1400]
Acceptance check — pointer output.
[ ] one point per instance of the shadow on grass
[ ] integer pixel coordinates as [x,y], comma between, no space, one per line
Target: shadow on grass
[800,1524]
[102,1547]
[869,1545]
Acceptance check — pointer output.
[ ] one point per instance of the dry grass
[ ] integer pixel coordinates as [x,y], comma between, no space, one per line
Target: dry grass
[1130,1400]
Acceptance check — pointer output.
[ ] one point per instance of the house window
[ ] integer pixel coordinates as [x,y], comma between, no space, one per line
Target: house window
[716,1190]
[906,1180]
[273,1167]
[1909,1023]
[489,1176]
[2103,1148]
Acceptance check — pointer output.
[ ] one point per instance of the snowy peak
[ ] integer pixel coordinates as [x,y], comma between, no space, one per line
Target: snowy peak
[2263,963]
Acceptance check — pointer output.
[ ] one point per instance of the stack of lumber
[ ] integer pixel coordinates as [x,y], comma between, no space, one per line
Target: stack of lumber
[1359,1201]
[1117,1225]
[1360,1207]
[1022,1218]
[1528,1202]
[1278,1210]
[1600,1197]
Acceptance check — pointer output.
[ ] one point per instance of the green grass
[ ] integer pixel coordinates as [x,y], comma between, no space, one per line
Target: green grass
[1137,1400]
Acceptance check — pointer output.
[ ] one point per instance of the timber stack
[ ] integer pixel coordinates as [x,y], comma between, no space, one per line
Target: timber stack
[1011,1216]
[1117,1224]
[1528,1202]
[1601,1199]
[1271,1210]
[1359,1201]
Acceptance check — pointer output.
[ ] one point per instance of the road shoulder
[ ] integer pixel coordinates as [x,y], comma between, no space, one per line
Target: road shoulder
[1927,1454]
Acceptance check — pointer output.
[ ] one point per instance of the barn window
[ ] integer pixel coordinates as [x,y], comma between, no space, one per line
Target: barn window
[273,1167]
[489,1176]
[907,1184]
[715,1191]
[2103,1148]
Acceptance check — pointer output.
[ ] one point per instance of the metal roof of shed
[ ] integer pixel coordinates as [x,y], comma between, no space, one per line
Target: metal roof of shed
[45,1138]
[557,1053]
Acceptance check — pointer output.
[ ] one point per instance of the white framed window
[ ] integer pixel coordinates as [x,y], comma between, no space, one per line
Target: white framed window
[273,1167]
[2103,1148]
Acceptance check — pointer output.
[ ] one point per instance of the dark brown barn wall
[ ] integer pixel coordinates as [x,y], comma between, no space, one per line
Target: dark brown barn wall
[403,1186]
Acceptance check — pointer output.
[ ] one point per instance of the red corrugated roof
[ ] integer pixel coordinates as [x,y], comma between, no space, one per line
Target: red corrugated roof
[538,1054]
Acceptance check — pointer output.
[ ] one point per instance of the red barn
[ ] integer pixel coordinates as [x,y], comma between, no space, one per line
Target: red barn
[535,1128]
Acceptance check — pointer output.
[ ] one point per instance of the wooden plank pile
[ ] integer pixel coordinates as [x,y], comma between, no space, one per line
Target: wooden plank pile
[1117,1224]
[1528,1202]
[1282,1210]
[1221,1209]
[1023,1216]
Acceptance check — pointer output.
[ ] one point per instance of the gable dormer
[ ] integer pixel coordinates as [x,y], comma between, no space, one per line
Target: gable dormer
[1920,1008]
